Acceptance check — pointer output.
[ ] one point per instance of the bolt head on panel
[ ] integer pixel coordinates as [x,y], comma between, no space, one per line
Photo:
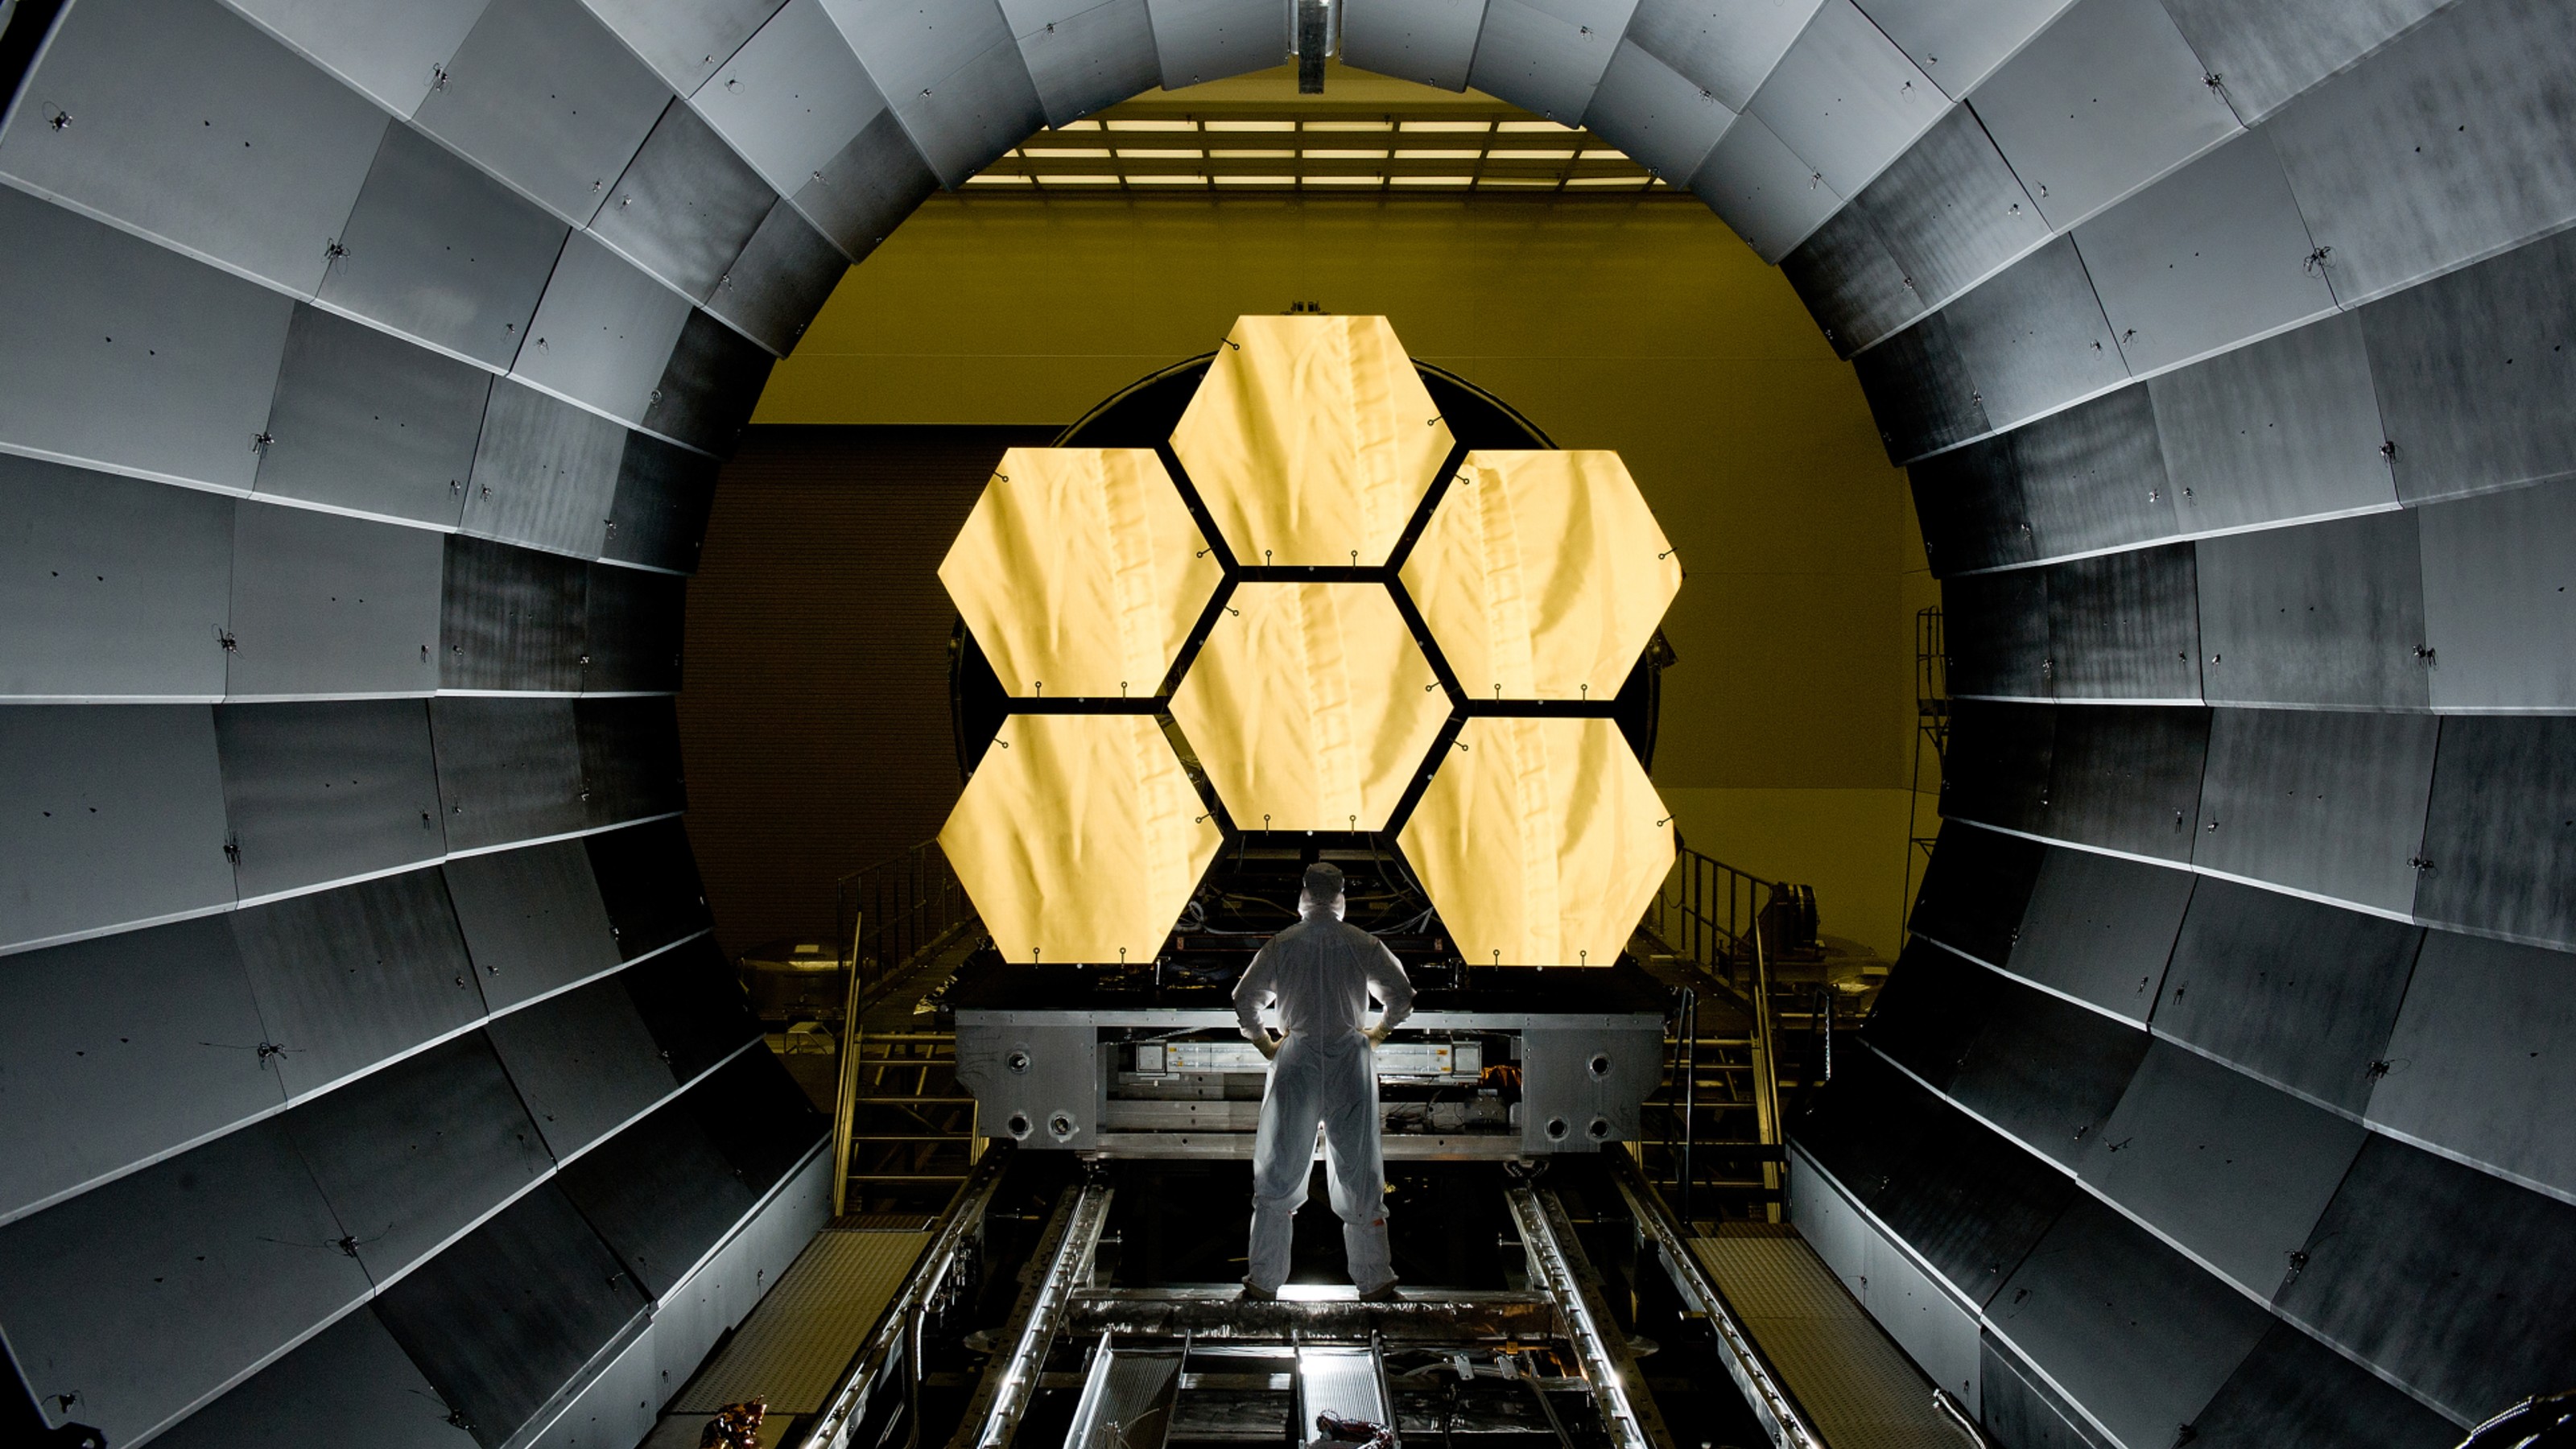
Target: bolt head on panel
[1541,841]
[1311,441]
[1542,575]
[1079,838]
[1080,572]
[1310,706]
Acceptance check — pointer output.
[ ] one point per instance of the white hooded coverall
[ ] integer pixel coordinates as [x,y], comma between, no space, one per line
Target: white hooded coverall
[1321,972]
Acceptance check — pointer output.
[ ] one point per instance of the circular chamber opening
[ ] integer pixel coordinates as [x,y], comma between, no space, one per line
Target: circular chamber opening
[1600,1129]
[1556,1129]
[1061,1124]
[1018,1126]
[1017,1061]
[1601,1065]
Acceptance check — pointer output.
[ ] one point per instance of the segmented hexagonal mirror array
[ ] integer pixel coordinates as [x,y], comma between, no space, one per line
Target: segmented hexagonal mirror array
[1309,451]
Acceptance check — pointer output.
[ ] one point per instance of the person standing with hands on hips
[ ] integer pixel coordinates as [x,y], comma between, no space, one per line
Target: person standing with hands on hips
[1321,972]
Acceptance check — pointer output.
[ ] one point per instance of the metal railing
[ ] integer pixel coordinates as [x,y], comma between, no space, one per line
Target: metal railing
[1710,914]
[895,912]
[1932,733]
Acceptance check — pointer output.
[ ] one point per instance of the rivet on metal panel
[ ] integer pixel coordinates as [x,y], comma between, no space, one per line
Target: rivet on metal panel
[2424,652]
[2317,261]
[259,443]
[333,251]
[2388,451]
[2422,863]
[60,120]
[225,638]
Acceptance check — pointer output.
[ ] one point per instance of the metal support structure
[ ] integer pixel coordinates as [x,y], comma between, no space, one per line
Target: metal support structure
[1931,727]
[1556,1259]
[1009,1382]
[1781,1417]
[957,1228]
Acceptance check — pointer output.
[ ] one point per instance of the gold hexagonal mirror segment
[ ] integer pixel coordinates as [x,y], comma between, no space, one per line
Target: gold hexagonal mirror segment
[1311,440]
[1542,842]
[1079,838]
[1310,706]
[1080,572]
[1542,575]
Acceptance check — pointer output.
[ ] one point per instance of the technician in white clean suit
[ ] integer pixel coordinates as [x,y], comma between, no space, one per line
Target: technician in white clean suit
[1323,1068]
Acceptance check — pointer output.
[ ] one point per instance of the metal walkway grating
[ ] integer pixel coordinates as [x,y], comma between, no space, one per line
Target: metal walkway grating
[793,1347]
[1857,1387]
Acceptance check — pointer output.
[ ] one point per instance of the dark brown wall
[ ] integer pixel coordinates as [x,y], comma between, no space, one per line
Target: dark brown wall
[815,713]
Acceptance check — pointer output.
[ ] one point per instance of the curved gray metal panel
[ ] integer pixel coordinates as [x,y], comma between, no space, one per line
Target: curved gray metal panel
[583,1062]
[2204,259]
[709,386]
[868,187]
[348,978]
[2033,337]
[2093,477]
[117,352]
[602,332]
[2498,852]
[2294,1390]
[1086,54]
[791,96]
[545,97]
[390,50]
[545,472]
[1846,99]
[2505,1260]
[2136,1333]
[1647,109]
[1960,45]
[413,1155]
[690,1000]
[779,280]
[2475,1069]
[2100,929]
[532,920]
[1430,41]
[658,517]
[635,620]
[130,1304]
[1761,188]
[630,758]
[2126,625]
[1850,282]
[118,819]
[2128,778]
[2286,428]
[1919,391]
[2105,100]
[955,75]
[753,1110]
[510,618]
[325,792]
[2234,1171]
[1996,769]
[2329,803]
[2017,1406]
[437,250]
[649,881]
[2449,145]
[2299,994]
[113,586]
[1205,40]
[2265,54]
[2328,614]
[1969,504]
[1927,1017]
[1975,890]
[569,1304]
[1541,55]
[119,1050]
[686,204]
[2498,619]
[189,125]
[1725,49]
[508,770]
[684,43]
[2469,369]
[660,1194]
[365,421]
[325,605]
[2000,623]
[349,1379]
[1952,211]
[2047,1071]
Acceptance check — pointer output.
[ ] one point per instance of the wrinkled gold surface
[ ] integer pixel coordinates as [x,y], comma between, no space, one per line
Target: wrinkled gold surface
[1310,707]
[1080,572]
[1542,575]
[1312,440]
[1542,842]
[1079,838]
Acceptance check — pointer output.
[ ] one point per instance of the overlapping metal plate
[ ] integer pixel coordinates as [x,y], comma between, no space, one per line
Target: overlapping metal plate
[2326,802]
[120,586]
[348,978]
[532,920]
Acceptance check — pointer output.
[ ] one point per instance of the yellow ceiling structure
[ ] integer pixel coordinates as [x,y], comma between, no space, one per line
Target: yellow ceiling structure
[1310,707]
[1541,841]
[1311,440]
[1080,572]
[1542,575]
[1079,838]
